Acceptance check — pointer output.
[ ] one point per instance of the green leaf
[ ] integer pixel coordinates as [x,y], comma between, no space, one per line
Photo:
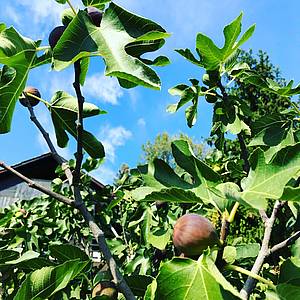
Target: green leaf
[26,256]
[159,61]
[175,195]
[100,4]
[212,56]
[138,284]
[290,271]
[188,279]
[8,255]
[63,108]
[67,252]
[291,194]
[18,54]
[160,238]
[121,39]
[288,291]
[247,250]
[187,53]
[44,283]
[267,181]
[84,67]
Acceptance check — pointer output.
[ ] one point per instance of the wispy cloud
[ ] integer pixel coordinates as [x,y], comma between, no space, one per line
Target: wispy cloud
[112,138]
[141,122]
[12,14]
[103,88]
[104,174]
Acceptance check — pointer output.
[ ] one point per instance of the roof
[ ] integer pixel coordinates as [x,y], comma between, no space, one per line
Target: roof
[41,167]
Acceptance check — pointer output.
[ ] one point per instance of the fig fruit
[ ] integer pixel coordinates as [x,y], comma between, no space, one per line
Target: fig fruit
[95,15]
[193,234]
[55,35]
[211,98]
[211,78]
[24,99]
[105,288]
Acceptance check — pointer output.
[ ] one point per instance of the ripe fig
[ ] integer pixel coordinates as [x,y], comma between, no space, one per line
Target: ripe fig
[32,101]
[193,234]
[55,35]
[67,16]
[105,288]
[95,15]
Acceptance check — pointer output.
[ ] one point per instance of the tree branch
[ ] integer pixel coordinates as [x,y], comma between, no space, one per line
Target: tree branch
[79,127]
[263,253]
[37,186]
[289,241]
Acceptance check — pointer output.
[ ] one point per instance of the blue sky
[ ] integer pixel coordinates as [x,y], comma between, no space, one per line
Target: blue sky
[137,115]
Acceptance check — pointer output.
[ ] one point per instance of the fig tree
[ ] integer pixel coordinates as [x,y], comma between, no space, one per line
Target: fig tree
[193,234]
[25,98]
[95,15]
[55,35]
[211,78]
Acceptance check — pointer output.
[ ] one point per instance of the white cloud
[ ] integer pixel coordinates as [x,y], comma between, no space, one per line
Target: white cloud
[11,13]
[112,138]
[102,88]
[141,122]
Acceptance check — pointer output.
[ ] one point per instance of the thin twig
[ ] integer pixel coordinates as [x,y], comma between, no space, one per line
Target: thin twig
[263,253]
[289,241]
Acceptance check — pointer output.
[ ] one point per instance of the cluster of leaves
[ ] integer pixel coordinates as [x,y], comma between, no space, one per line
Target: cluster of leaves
[138,215]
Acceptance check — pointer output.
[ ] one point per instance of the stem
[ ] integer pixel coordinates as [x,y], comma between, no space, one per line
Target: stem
[223,235]
[244,152]
[249,273]
[79,127]
[296,107]
[72,7]
[233,212]
[38,98]
[42,48]
[79,204]
[263,253]
[285,243]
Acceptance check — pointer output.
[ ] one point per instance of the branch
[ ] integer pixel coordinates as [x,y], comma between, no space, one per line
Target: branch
[97,232]
[289,241]
[37,186]
[244,152]
[79,204]
[79,127]
[263,253]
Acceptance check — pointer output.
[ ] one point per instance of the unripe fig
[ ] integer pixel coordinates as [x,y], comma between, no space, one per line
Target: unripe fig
[67,16]
[55,35]
[211,98]
[105,288]
[95,15]
[205,79]
[193,234]
[211,78]
[32,101]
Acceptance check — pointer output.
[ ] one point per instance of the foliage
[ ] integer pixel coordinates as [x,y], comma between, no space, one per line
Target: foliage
[45,249]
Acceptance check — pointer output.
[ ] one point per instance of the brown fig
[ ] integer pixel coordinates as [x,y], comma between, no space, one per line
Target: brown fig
[55,35]
[193,234]
[105,288]
[25,98]
[95,15]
